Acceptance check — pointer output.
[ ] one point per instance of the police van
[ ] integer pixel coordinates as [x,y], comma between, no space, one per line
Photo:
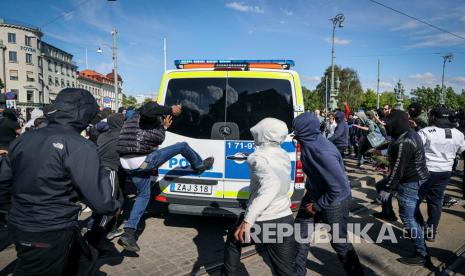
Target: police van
[221,100]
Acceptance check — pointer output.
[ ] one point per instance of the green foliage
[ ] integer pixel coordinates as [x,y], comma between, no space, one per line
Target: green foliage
[369,99]
[312,99]
[147,100]
[129,101]
[350,89]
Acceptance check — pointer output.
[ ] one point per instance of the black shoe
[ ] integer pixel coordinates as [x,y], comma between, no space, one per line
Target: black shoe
[449,201]
[206,164]
[414,260]
[128,240]
[383,216]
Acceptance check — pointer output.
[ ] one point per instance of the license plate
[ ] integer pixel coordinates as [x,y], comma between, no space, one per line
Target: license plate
[191,188]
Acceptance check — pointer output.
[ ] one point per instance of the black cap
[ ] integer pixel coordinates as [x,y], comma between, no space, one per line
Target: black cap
[440,112]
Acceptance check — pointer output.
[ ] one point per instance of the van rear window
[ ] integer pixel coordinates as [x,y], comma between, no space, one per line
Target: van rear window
[245,102]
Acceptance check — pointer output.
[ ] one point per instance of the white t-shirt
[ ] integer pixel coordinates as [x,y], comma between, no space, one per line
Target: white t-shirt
[132,163]
[441,147]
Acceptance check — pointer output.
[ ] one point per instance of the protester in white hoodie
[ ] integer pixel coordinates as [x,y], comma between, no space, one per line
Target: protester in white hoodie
[269,202]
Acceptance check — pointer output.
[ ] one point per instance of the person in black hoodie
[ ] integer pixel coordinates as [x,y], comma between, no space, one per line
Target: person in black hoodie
[340,137]
[408,172]
[139,140]
[328,195]
[46,194]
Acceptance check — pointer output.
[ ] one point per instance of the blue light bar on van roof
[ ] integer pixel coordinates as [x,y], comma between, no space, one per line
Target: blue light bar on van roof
[285,63]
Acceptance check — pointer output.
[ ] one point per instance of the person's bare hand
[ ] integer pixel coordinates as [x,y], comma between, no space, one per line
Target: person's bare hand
[242,232]
[412,124]
[167,121]
[176,110]
[3,152]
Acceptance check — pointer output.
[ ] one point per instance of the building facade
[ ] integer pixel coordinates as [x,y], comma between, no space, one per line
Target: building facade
[58,69]
[101,86]
[34,71]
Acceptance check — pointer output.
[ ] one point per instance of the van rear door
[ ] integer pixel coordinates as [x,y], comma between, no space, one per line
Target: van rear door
[202,96]
[252,96]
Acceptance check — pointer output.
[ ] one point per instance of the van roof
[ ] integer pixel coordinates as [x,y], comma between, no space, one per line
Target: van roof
[237,65]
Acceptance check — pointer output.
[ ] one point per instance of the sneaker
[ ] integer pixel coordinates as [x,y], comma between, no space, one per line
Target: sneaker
[206,164]
[128,240]
[414,260]
[449,201]
[383,216]
[429,235]
[114,233]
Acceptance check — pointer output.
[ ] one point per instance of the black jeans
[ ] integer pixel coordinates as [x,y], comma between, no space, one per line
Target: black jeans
[433,191]
[281,253]
[336,216]
[50,253]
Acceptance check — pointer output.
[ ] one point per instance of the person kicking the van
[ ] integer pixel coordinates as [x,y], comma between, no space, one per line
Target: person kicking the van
[139,140]
[269,203]
[328,195]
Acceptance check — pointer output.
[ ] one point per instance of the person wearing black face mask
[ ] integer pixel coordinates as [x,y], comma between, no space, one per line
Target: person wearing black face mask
[44,207]
[418,118]
[408,171]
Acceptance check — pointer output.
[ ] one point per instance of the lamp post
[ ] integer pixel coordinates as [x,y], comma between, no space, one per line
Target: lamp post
[399,91]
[448,57]
[3,47]
[114,48]
[337,21]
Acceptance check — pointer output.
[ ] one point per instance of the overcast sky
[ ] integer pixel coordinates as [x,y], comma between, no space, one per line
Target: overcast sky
[216,29]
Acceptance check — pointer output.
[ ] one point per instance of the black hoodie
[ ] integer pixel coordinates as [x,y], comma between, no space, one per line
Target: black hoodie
[54,167]
[107,142]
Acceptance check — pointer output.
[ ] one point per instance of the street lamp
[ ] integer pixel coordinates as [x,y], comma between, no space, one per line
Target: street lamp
[337,21]
[3,47]
[448,57]
[399,91]
[114,48]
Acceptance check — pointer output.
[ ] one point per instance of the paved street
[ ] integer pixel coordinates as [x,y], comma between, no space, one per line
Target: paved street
[183,245]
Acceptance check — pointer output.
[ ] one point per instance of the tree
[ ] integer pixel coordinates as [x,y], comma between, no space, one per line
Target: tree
[312,99]
[147,100]
[129,101]
[350,89]
[369,99]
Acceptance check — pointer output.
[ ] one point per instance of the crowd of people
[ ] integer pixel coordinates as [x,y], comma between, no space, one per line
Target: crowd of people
[86,156]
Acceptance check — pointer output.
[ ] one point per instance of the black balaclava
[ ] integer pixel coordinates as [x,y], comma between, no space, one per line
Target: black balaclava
[397,123]
[414,110]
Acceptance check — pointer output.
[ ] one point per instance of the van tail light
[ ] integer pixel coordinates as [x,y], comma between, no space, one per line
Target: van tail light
[299,176]
[160,198]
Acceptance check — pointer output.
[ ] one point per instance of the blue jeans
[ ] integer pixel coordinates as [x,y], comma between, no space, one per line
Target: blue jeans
[407,197]
[433,191]
[141,178]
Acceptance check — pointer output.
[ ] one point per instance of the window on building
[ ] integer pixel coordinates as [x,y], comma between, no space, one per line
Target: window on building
[30,96]
[13,74]
[62,69]
[49,65]
[29,58]
[67,83]
[50,80]
[12,56]
[28,40]
[12,38]
[56,67]
[57,82]
[39,45]
[62,83]
[72,84]
[67,71]
[30,76]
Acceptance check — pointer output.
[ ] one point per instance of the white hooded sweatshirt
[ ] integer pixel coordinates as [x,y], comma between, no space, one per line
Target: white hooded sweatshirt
[35,113]
[270,171]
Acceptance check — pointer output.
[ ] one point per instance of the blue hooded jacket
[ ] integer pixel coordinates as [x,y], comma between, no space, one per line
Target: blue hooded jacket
[327,183]
[341,134]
